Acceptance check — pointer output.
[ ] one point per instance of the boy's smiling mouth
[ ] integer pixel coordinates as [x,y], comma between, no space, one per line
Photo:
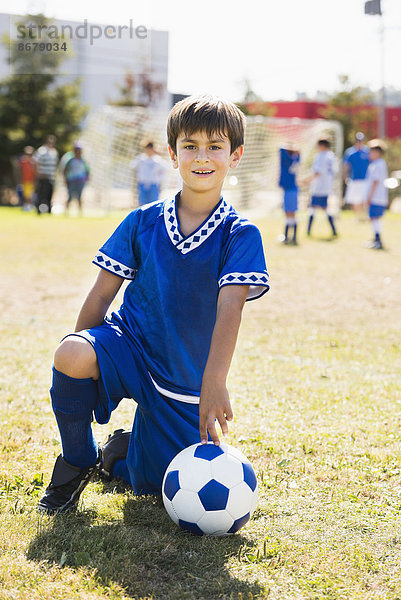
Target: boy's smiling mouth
[203,172]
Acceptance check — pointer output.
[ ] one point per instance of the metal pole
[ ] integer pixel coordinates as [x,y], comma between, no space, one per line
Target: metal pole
[382,101]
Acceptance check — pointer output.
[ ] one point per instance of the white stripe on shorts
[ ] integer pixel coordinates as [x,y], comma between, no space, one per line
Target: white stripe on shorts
[174,395]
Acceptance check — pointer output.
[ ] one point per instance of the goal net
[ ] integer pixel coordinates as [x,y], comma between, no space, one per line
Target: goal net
[113,136]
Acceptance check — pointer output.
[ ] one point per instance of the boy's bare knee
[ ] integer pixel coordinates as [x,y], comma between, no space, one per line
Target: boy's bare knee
[76,358]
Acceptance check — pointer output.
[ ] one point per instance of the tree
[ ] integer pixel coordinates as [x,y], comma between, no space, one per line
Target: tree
[252,104]
[260,107]
[352,107]
[32,104]
[138,90]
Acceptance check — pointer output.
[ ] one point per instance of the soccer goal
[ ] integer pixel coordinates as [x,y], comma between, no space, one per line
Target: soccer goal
[113,137]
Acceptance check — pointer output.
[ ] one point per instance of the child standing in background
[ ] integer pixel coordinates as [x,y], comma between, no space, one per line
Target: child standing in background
[356,162]
[150,169]
[289,161]
[26,165]
[324,168]
[376,191]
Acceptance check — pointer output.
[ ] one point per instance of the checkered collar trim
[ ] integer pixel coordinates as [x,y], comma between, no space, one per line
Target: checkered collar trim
[186,244]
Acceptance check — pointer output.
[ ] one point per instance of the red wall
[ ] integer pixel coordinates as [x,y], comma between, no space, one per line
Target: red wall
[300,109]
[307,109]
[393,121]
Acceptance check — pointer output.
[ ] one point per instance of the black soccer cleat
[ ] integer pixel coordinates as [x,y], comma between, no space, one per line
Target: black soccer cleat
[115,448]
[66,485]
[374,245]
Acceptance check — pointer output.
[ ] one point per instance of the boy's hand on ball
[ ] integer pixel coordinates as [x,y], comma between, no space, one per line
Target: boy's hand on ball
[214,404]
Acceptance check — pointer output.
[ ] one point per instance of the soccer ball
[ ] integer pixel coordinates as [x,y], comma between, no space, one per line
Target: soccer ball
[210,489]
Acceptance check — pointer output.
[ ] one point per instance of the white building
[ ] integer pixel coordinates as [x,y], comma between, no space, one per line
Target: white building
[102,56]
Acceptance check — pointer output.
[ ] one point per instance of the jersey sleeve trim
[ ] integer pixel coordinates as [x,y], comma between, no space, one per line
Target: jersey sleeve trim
[258,282]
[115,267]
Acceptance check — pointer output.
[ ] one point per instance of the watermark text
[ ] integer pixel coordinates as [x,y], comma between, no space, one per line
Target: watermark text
[82,31]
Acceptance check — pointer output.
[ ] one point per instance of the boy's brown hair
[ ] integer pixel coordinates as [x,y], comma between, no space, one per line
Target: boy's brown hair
[208,114]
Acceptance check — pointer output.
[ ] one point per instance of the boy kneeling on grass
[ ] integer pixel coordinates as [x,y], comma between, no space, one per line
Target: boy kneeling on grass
[192,262]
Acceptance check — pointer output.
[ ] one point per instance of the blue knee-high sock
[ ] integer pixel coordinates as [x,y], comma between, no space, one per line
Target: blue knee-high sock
[331,221]
[286,231]
[120,471]
[73,401]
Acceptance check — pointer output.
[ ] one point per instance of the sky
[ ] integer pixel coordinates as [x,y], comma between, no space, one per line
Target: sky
[281,47]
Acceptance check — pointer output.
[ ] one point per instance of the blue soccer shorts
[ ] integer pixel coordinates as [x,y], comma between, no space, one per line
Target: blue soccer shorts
[162,426]
[319,201]
[376,211]
[290,203]
[148,193]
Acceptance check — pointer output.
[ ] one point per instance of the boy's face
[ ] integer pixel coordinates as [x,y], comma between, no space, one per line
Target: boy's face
[374,154]
[203,162]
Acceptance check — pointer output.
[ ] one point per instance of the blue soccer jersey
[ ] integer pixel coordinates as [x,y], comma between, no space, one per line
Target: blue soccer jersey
[169,307]
[358,162]
[289,162]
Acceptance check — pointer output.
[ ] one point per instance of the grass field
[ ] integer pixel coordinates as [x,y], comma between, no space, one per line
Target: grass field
[316,391]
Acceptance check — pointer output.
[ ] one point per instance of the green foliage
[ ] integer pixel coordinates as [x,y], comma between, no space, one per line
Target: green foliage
[32,104]
[258,107]
[252,103]
[348,106]
[32,30]
[137,90]
[393,155]
[249,95]
[393,160]
[127,92]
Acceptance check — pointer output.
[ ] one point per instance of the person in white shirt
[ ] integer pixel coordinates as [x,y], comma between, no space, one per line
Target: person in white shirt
[150,169]
[324,169]
[376,191]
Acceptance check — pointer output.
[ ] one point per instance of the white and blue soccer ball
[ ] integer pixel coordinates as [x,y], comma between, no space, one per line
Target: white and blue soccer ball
[210,489]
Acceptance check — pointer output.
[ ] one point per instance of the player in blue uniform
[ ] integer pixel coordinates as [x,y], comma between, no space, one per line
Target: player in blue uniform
[376,191]
[324,169]
[356,162]
[289,161]
[191,261]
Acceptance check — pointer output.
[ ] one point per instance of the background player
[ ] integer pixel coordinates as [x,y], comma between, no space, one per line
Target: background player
[27,170]
[46,161]
[355,166]
[289,161]
[150,169]
[75,171]
[324,168]
[376,191]
[192,261]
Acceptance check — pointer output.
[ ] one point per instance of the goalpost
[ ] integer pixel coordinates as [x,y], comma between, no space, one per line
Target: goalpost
[113,137]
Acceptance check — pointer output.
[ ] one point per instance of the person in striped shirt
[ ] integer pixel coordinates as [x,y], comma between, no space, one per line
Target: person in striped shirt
[46,161]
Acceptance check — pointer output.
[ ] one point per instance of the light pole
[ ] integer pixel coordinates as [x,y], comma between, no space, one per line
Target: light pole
[373,7]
